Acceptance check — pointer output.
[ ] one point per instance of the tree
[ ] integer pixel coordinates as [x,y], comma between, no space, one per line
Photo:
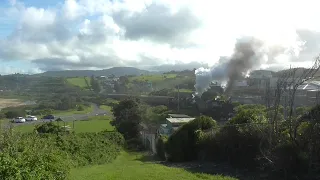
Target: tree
[95,84]
[156,115]
[182,145]
[15,113]
[127,117]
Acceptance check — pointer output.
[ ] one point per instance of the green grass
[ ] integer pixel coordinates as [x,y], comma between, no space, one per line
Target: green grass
[79,81]
[127,167]
[105,107]
[94,124]
[184,90]
[87,109]
[152,78]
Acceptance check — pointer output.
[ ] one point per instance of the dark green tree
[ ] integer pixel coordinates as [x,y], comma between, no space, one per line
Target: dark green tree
[127,117]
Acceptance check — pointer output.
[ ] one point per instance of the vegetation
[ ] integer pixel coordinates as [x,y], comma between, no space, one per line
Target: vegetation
[152,78]
[95,85]
[182,144]
[131,166]
[127,118]
[79,81]
[94,124]
[50,156]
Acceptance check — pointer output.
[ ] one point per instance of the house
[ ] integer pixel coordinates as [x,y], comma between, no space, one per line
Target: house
[173,122]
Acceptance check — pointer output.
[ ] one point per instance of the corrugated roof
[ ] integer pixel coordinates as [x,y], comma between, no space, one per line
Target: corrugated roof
[179,116]
[180,120]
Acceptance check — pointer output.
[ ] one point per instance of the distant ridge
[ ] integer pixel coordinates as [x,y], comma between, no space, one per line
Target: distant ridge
[117,71]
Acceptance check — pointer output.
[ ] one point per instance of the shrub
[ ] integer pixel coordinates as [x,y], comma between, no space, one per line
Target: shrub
[290,160]
[160,147]
[182,144]
[14,113]
[31,157]
[80,108]
[90,148]
[49,128]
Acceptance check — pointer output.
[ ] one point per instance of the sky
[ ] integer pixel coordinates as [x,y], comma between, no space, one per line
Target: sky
[38,35]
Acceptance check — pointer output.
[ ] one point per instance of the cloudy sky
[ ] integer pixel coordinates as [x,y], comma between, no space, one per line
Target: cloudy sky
[39,35]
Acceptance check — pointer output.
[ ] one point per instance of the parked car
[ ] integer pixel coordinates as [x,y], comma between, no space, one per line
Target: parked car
[51,117]
[19,120]
[31,118]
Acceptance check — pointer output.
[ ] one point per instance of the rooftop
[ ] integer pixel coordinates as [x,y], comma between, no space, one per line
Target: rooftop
[180,120]
[178,116]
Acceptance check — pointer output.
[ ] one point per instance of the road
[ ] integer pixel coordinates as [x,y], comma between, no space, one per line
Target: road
[78,117]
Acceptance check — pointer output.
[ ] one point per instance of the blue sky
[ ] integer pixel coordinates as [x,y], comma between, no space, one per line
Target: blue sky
[7,25]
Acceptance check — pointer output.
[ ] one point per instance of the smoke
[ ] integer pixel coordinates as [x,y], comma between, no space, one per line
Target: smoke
[249,53]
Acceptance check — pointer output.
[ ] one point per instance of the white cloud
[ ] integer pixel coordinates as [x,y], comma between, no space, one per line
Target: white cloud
[82,34]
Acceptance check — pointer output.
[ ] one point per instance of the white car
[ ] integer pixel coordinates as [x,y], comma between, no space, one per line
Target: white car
[19,120]
[31,118]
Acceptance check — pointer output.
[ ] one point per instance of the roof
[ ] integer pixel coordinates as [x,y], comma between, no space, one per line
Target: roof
[180,120]
[163,125]
[178,116]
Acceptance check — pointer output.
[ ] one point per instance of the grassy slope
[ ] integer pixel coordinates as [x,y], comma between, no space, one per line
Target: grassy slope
[79,81]
[105,107]
[94,124]
[152,78]
[74,111]
[127,167]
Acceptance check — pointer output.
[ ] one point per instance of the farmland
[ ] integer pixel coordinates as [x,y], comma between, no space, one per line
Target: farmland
[79,81]
[152,78]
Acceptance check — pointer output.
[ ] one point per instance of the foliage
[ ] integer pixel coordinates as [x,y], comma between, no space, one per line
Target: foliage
[156,114]
[182,145]
[2,115]
[95,84]
[30,157]
[90,148]
[80,108]
[15,113]
[160,146]
[128,116]
[50,156]
[50,127]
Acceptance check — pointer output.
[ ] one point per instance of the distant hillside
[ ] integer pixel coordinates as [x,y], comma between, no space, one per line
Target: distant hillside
[117,71]
[298,72]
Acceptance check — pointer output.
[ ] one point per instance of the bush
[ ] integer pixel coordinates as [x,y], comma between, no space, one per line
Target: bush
[160,147]
[49,128]
[182,145]
[290,160]
[31,157]
[90,148]
[134,144]
[15,113]
[80,108]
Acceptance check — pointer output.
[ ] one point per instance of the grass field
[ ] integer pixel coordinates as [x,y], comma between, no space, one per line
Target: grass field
[105,107]
[79,81]
[87,109]
[94,124]
[152,78]
[129,167]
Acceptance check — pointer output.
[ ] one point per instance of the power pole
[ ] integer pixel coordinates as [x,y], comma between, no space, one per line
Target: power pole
[178,98]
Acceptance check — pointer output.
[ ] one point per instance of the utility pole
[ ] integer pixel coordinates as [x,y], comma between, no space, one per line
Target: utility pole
[178,98]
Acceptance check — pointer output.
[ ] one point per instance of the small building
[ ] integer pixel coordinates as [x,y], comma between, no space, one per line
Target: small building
[173,122]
